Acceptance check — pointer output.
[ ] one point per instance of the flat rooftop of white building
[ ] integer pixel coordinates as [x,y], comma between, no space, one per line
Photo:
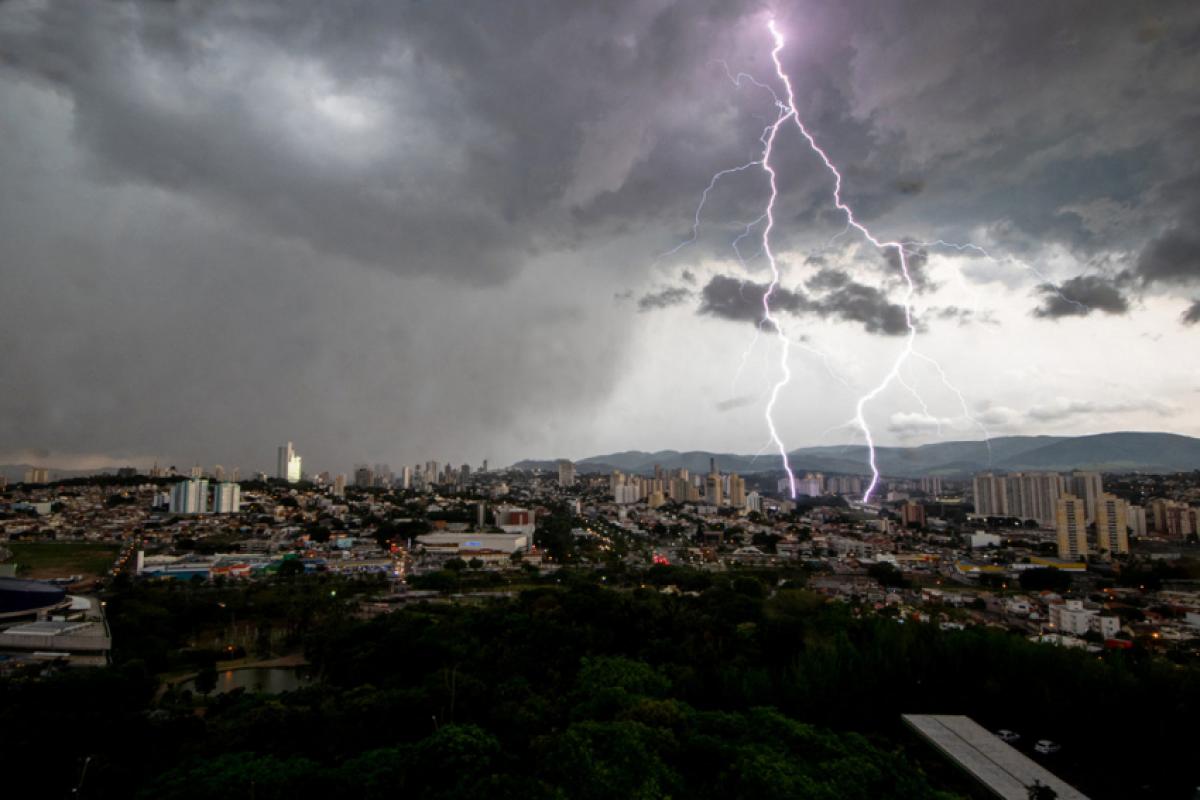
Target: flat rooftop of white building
[1001,768]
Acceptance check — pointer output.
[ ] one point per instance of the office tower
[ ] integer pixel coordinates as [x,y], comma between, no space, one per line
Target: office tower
[288,465]
[990,497]
[1112,533]
[566,473]
[737,491]
[364,477]
[339,485]
[1088,487]
[1072,527]
[189,497]
[226,498]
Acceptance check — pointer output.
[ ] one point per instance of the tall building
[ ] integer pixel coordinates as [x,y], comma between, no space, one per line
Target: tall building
[37,475]
[712,491]
[737,491]
[811,484]
[364,477]
[1136,517]
[913,515]
[1088,487]
[1112,531]
[226,498]
[931,485]
[1072,527]
[287,464]
[990,498]
[566,473]
[189,497]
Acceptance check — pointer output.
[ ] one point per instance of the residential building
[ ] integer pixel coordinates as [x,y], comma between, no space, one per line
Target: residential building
[1072,527]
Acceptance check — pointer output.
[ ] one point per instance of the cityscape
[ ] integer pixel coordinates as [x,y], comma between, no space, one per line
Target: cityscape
[639,400]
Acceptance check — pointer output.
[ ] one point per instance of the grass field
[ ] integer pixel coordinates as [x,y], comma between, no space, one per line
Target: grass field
[60,560]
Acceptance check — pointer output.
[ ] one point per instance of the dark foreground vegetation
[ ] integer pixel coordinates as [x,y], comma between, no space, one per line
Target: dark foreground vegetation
[576,691]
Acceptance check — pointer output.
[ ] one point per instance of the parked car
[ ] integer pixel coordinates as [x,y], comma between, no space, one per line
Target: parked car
[1046,747]
[1008,736]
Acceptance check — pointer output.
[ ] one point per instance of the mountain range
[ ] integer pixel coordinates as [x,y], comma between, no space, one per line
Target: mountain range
[1124,451]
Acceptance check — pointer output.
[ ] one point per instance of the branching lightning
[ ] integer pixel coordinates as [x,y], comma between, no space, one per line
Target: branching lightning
[785,105]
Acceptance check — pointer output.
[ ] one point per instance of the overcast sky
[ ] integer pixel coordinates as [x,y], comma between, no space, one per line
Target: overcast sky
[396,231]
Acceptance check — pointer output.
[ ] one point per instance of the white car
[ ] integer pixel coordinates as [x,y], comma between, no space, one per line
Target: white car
[1008,736]
[1046,747]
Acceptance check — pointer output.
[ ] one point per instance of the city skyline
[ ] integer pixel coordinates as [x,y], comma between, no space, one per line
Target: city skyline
[384,245]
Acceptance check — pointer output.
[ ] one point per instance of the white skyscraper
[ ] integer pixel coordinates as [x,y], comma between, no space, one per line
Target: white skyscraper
[189,497]
[287,467]
[226,498]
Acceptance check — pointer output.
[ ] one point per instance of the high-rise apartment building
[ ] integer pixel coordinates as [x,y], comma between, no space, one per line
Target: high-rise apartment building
[226,498]
[37,475]
[566,473]
[364,477]
[1088,487]
[1112,531]
[288,464]
[737,491]
[189,497]
[1072,527]
[990,497]
[712,492]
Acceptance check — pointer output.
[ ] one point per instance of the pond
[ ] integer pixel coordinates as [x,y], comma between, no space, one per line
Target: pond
[270,680]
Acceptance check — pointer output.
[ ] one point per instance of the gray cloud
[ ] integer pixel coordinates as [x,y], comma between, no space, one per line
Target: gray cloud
[1082,295]
[664,298]
[847,299]
[735,402]
[1174,257]
[742,301]
[1191,315]
[370,227]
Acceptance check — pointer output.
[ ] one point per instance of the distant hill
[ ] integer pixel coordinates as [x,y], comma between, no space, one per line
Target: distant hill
[1111,452]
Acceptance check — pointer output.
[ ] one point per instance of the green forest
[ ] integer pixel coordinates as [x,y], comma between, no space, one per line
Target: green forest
[742,690]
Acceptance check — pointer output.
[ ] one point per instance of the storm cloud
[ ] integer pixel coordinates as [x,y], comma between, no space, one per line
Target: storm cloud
[370,228]
[1080,296]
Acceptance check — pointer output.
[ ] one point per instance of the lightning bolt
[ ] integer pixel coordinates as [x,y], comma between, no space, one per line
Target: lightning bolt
[788,112]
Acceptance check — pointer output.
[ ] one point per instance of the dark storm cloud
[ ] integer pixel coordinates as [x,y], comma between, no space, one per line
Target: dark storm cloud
[1191,315]
[420,138]
[917,258]
[191,191]
[835,296]
[846,299]
[664,298]
[729,298]
[1082,295]
[1172,258]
